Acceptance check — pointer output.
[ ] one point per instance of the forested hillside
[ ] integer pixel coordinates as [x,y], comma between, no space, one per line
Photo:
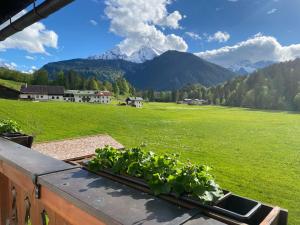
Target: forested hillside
[7,74]
[69,79]
[275,87]
[169,71]
[173,70]
[102,70]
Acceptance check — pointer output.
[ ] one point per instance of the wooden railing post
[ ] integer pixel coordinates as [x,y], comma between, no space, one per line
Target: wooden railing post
[4,201]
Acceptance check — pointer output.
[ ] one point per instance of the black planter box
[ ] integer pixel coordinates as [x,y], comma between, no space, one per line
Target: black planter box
[231,208]
[19,138]
[238,208]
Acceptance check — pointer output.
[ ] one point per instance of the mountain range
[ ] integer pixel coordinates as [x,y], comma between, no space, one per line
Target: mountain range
[140,56]
[167,71]
[246,67]
[146,53]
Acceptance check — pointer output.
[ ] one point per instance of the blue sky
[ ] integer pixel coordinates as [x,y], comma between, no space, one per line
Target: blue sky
[222,31]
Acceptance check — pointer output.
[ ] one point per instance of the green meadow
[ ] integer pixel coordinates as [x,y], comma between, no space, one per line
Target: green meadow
[253,153]
[11,84]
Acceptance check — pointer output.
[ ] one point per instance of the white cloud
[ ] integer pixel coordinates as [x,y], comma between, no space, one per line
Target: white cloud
[33,39]
[219,37]
[30,57]
[193,35]
[8,65]
[94,22]
[272,11]
[31,71]
[255,49]
[172,20]
[141,23]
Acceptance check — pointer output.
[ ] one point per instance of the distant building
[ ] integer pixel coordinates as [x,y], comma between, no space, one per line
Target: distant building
[42,93]
[195,101]
[135,101]
[57,93]
[91,96]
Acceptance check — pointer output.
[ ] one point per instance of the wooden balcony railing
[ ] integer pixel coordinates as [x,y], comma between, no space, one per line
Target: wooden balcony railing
[38,190]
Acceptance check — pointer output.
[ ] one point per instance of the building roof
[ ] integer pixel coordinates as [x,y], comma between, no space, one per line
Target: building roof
[42,89]
[104,93]
[81,92]
[88,92]
[10,8]
[134,99]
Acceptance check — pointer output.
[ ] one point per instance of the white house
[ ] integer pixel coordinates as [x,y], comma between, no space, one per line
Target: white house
[57,93]
[42,92]
[90,96]
[195,101]
[135,101]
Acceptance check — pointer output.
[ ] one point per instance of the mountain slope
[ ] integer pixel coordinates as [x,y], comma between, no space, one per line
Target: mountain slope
[100,68]
[274,87]
[173,70]
[168,71]
[11,84]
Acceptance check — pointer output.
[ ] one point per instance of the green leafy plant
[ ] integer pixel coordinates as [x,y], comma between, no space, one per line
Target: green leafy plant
[9,126]
[164,174]
[198,182]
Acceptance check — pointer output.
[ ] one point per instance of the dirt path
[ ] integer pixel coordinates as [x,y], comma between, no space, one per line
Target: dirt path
[74,148]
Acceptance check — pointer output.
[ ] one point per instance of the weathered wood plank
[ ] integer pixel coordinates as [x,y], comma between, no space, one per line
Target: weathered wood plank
[4,199]
[65,209]
[272,218]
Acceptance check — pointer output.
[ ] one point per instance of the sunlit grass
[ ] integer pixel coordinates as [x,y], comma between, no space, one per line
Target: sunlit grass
[254,153]
[11,84]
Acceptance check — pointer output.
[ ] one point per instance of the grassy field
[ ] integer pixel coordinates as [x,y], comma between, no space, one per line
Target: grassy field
[253,153]
[11,84]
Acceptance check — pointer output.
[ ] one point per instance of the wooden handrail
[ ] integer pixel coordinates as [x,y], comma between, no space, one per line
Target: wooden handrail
[70,195]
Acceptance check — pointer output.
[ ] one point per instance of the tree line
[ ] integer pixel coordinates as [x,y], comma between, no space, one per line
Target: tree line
[13,75]
[276,87]
[72,80]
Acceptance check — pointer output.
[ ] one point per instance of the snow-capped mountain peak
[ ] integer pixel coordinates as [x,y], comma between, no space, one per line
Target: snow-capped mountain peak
[143,54]
[247,67]
[115,53]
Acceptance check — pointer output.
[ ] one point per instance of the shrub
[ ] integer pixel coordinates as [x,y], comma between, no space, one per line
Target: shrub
[164,174]
[9,126]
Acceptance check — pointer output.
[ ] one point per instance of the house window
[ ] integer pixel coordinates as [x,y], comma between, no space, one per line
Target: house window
[52,97]
[42,96]
[28,96]
[57,97]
